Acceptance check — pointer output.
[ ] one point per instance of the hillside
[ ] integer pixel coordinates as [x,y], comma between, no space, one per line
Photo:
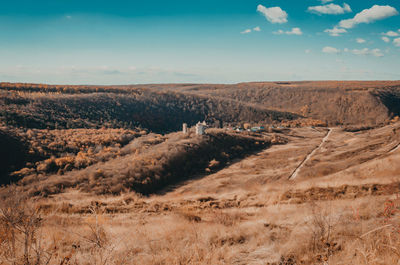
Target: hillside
[42,107]
[163,108]
[336,102]
[146,165]
[13,155]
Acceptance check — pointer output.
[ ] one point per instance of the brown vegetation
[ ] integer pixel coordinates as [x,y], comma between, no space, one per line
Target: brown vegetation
[332,102]
[58,151]
[158,111]
[96,186]
[150,163]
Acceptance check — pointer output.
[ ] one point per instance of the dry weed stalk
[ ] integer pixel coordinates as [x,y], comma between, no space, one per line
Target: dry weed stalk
[21,237]
[98,250]
[322,225]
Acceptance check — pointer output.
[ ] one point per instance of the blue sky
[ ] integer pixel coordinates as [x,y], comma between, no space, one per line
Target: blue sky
[130,42]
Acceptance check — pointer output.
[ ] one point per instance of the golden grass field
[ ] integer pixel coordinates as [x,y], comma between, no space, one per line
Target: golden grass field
[342,208]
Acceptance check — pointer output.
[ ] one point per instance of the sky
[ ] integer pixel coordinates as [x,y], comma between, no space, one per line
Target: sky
[207,41]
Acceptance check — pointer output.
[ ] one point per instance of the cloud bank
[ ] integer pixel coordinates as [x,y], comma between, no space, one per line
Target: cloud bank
[294,31]
[360,52]
[366,51]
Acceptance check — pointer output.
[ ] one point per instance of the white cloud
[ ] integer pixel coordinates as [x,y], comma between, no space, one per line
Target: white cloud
[331,9]
[246,31]
[68,17]
[335,31]
[377,53]
[273,14]
[307,51]
[390,33]
[294,31]
[360,40]
[329,49]
[370,15]
[366,51]
[360,52]
[326,1]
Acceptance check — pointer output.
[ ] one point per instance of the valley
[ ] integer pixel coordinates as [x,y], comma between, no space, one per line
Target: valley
[103,175]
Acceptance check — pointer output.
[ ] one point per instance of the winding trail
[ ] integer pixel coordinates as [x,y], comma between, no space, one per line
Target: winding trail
[300,166]
[394,149]
[397,146]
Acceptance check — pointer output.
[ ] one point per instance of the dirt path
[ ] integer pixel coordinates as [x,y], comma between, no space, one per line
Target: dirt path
[300,166]
[397,147]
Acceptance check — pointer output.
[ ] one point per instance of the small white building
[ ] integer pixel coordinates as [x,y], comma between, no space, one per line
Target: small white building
[184,128]
[200,128]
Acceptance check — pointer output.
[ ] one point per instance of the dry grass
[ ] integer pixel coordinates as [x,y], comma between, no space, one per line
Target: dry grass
[246,213]
[364,231]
